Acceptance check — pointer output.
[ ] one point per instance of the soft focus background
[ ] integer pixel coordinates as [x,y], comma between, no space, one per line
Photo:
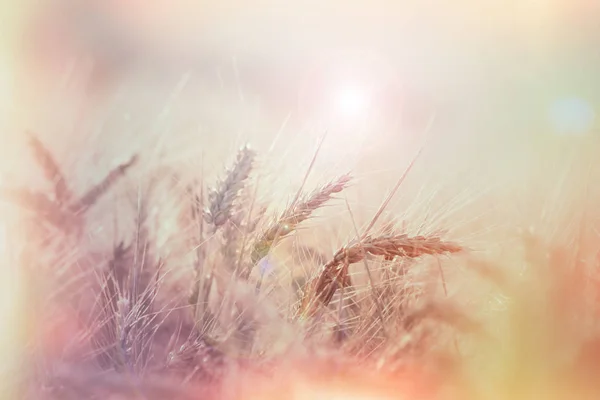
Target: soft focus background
[497,75]
[504,94]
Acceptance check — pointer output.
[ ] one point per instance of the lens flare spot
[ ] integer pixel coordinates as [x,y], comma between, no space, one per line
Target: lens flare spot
[571,116]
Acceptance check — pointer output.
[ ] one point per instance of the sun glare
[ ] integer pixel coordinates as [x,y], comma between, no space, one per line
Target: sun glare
[351,100]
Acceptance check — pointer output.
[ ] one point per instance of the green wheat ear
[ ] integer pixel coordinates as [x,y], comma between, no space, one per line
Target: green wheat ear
[262,247]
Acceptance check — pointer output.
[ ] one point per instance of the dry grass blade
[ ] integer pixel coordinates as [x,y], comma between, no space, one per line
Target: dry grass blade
[127,302]
[378,306]
[51,170]
[202,281]
[196,207]
[386,202]
[334,273]
[91,197]
[295,214]
[222,198]
[108,338]
[198,357]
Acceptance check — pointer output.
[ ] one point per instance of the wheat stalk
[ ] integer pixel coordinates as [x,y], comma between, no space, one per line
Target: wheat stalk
[109,345]
[196,213]
[127,297]
[334,273]
[218,213]
[294,215]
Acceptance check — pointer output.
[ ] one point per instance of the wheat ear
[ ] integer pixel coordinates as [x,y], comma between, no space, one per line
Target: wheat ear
[320,290]
[221,199]
[61,209]
[51,170]
[91,196]
[294,215]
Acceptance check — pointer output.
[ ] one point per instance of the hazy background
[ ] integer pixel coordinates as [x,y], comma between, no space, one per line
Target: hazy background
[508,89]
[474,60]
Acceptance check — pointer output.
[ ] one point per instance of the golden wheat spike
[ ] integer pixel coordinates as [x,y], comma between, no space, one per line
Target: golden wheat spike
[320,290]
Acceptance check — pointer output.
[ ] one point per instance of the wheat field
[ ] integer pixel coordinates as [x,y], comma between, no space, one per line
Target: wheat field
[310,200]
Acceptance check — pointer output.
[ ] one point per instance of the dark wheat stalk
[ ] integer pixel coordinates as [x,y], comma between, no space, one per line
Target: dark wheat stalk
[198,220]
[217,213]
[109,340]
